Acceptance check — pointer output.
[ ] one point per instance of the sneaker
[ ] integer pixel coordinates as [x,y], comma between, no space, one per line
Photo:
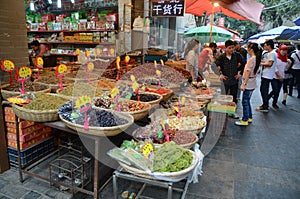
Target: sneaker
[250,120]
[234,116]
[262,109]
[283,102]
[275,106]
[241,123]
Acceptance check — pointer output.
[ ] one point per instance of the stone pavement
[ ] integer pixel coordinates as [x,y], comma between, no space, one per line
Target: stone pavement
[260,161]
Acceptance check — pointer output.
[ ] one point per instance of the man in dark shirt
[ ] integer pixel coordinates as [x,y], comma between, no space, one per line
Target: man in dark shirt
[228,65]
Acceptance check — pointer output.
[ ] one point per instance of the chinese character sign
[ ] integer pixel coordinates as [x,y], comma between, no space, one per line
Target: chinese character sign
[170,8]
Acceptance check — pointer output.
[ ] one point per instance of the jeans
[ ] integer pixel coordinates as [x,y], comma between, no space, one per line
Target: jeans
[276,86]
[264,91]
[232,90]
[247,112]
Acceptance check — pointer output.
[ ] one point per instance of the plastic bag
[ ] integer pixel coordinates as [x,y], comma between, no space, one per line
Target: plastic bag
[198,169]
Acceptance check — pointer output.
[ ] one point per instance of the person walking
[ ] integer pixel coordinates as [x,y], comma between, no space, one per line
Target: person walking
[228,65]
[249,82]
[282,63]
[191,58]
[296,67]
[268,64]
[206,56]
[238,48]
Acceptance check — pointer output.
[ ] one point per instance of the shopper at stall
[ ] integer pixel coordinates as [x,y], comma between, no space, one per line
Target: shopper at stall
[228,65]
[249,82]
[38,49]
[191,58]
[238,48]
[206,56]
[268,64]
[282,63]
[296,67]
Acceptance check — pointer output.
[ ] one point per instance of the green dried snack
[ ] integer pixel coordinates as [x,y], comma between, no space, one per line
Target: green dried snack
[79,89]
[44,101]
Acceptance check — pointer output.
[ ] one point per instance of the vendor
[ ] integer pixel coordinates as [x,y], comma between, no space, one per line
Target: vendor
[38,50]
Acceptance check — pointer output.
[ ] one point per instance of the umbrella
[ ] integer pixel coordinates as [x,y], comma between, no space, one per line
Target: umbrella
[292,33]
[272,32]
[203,34]
[297,21]
[243,9]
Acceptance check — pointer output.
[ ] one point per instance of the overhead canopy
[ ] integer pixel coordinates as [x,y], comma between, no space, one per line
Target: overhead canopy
[297,21]
[243,9]
[203,34]
[272,32]
[292,33]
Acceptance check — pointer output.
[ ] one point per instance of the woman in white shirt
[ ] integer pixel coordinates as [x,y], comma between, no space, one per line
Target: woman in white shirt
[296,67]
[249,82]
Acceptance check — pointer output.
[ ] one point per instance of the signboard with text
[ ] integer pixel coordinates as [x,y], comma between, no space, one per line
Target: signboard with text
[169,8]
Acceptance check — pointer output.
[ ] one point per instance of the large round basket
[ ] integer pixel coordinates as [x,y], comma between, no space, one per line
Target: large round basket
[54,87]
[187,145]
[7,94]
[157,52]
[35,115]
[102,131]
[155,102]
[165,176]
[137,115]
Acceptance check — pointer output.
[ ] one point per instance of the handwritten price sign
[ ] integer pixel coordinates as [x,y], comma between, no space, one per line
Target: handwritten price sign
[90,67]
[148,150]
[61,69]
[114,92]
[83,102]
[39,62]
[8,66]
[24,72]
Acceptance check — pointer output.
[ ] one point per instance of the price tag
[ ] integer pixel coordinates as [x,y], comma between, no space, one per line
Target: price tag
[8,66]
[90,66]
[127,59]
[87,53]
[61,69]
[155,64]
[158,72]
[114,92]
[24,72]
[176,109]
[18,100]
[182,100]
[135,86]
[77,51]
[132,78]
[118,60]
[83,103]
[148,150]
[162,62]
[39,62]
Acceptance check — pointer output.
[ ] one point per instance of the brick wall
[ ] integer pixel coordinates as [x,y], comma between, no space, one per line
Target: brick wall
[13,36]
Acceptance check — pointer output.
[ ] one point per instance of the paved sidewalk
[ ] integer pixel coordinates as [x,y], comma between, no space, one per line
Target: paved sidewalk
[261,160]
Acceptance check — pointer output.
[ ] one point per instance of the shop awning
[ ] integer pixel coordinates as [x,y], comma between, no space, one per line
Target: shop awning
[244,9]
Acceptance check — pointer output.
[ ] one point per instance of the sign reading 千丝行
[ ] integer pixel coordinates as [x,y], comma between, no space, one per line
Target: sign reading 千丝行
[167,8]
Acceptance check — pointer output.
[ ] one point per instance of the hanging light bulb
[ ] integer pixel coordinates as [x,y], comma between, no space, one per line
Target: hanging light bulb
[50,1]
[31,6]
[59,3]
[73,1]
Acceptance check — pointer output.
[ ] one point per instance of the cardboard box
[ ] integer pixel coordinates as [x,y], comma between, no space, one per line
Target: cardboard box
[222,107]
[26,130]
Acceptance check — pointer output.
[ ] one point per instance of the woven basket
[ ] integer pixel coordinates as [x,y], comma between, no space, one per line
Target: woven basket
[155,102]
[35,115]
[102,131]
[137,115]
[165,96]
[7,94]
[157,52]
[187,145]
[165,176]
[53,87]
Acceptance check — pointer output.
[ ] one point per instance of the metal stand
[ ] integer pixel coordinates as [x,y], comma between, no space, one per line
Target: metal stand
[164,184]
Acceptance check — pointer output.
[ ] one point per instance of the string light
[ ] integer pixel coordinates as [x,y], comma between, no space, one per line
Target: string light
[59,3]
[50,1]
[73,1]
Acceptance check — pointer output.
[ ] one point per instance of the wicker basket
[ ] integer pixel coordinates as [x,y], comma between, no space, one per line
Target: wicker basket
[35,115]
[102,131]
[187,145]
[157,52]
[7,94]
[165,176]
[54,87]
[155,102]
